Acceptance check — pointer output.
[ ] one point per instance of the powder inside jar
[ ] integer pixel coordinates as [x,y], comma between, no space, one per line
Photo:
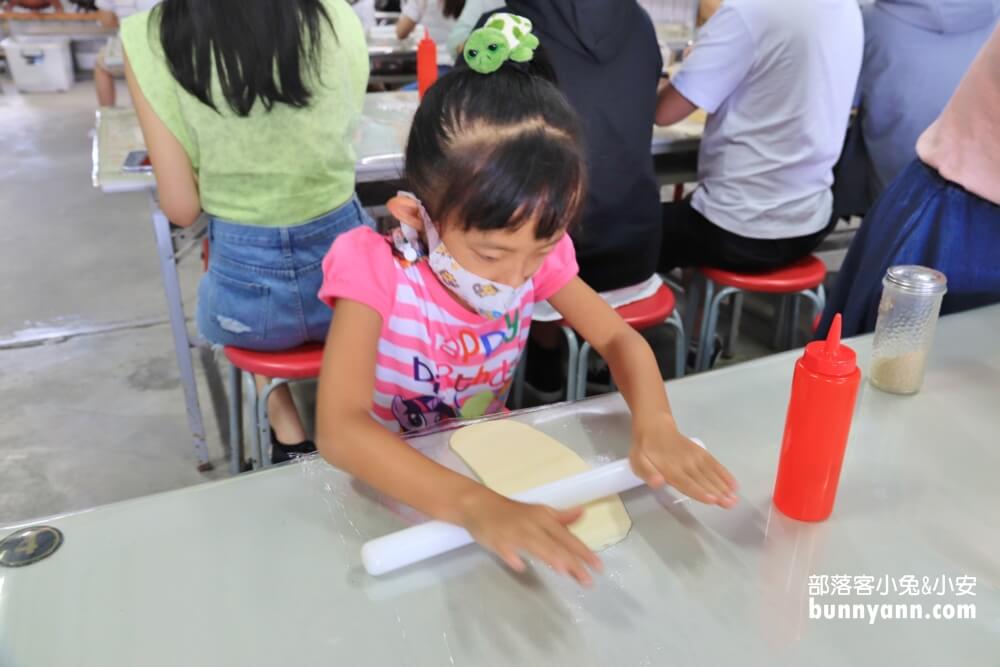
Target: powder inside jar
[902,374]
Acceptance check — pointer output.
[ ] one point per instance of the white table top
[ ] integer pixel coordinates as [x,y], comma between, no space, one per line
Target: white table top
[379,140]
[264,569]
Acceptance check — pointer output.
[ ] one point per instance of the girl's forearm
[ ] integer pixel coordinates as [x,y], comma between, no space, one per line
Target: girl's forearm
[382,459]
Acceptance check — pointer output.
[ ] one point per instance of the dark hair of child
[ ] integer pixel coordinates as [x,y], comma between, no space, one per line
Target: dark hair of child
[495,151]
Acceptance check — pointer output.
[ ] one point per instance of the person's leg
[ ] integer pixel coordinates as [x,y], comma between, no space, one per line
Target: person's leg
[104,84]
[894,228]
[683,241]
[242,304]
[282,413]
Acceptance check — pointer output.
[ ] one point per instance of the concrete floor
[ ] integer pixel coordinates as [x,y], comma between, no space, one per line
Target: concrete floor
[87,418]
[92,407]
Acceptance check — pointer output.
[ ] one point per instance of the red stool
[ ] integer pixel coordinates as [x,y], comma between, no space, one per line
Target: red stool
[660,308]
[283,367]
[802,278]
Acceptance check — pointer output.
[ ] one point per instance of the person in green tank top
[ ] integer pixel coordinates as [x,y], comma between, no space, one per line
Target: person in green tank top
[248,109]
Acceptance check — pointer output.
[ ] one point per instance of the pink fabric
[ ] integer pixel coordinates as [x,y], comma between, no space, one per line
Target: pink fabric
[436,360]
[963,144]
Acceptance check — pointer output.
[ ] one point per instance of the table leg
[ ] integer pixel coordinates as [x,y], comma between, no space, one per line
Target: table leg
[178,328]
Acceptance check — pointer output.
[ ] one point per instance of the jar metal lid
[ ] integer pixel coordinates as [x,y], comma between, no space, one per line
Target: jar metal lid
[917,279]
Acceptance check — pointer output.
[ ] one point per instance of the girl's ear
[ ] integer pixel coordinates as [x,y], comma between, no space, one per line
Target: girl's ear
[406,210]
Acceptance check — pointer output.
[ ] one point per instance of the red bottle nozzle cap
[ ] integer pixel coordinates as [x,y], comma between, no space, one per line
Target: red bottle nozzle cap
[830,357]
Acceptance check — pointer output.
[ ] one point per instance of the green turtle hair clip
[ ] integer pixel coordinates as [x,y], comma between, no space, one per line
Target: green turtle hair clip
[504,37]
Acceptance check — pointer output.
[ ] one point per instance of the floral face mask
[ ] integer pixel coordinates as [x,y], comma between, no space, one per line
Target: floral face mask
[488,298]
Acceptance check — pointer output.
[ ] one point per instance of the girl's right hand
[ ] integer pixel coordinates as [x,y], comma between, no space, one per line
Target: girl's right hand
[509,528]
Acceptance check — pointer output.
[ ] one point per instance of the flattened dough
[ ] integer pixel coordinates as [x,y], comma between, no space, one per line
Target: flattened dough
[510,457]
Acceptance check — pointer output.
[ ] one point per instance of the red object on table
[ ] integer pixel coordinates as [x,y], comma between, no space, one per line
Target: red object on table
[820,410]
[427,68]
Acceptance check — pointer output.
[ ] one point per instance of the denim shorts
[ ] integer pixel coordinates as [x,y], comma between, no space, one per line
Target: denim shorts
[260,289]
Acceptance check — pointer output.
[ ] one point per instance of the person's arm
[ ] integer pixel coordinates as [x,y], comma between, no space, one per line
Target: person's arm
[107,19]
[707,9]
[660,453]
[411,14]
[175,178]
[671,106]
[716,65]
[404,27]
[350,439]
[106,13]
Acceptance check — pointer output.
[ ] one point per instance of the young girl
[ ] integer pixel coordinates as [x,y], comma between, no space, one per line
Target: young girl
[431,321]
[247,108]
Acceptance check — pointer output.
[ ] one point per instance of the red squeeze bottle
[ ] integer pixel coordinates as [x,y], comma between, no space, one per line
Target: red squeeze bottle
[427,69]
[820,410]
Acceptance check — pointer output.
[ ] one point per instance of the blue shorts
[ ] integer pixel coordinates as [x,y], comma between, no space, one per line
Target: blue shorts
[260,289]
[921,218]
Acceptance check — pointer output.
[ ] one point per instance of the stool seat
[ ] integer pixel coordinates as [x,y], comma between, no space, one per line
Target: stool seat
[807,273]
[645,313]
[650,311]
[296,364]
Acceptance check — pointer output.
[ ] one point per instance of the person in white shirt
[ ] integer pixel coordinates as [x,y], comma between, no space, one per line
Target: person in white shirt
[777,79]
[438,18]
[110,63]
[467,21]
[365,9]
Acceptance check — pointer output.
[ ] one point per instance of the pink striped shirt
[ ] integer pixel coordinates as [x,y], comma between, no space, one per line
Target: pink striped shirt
[436,360]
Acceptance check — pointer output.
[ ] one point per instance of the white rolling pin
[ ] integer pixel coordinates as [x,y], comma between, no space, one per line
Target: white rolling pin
[433,538]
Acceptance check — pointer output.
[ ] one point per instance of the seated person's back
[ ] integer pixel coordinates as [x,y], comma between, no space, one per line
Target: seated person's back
[607,63]
[916,51]
[274,166]
[777,79]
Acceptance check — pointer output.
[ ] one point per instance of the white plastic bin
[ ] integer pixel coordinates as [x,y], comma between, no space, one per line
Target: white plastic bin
[39,64]
[85,53]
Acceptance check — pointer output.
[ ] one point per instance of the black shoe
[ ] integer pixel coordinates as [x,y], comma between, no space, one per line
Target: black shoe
[280,452]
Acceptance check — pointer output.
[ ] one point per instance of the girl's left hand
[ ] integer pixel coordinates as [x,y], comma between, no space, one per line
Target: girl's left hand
[662,455]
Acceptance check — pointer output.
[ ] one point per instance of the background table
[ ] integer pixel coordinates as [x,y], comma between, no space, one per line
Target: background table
[690,585]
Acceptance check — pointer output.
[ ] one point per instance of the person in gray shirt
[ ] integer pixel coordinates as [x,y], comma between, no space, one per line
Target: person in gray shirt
[916,51]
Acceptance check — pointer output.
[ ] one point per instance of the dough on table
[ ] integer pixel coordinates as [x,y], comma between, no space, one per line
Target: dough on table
[510,457]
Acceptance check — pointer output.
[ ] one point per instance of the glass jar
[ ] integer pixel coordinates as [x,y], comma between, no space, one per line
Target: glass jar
[904,331]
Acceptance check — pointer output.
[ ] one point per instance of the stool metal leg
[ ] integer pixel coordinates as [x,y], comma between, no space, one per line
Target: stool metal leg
[573,356]
[263,423]
[581,372]
[703,334]
[711,324]
[779,327]
[235,420]
[793,324]
[680,344]
[734,325]
[692,299]
[818,299]
[258,447]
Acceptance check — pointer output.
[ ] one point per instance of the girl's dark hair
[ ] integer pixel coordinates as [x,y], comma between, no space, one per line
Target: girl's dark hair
[452,8]
[259,49]
[495,151]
